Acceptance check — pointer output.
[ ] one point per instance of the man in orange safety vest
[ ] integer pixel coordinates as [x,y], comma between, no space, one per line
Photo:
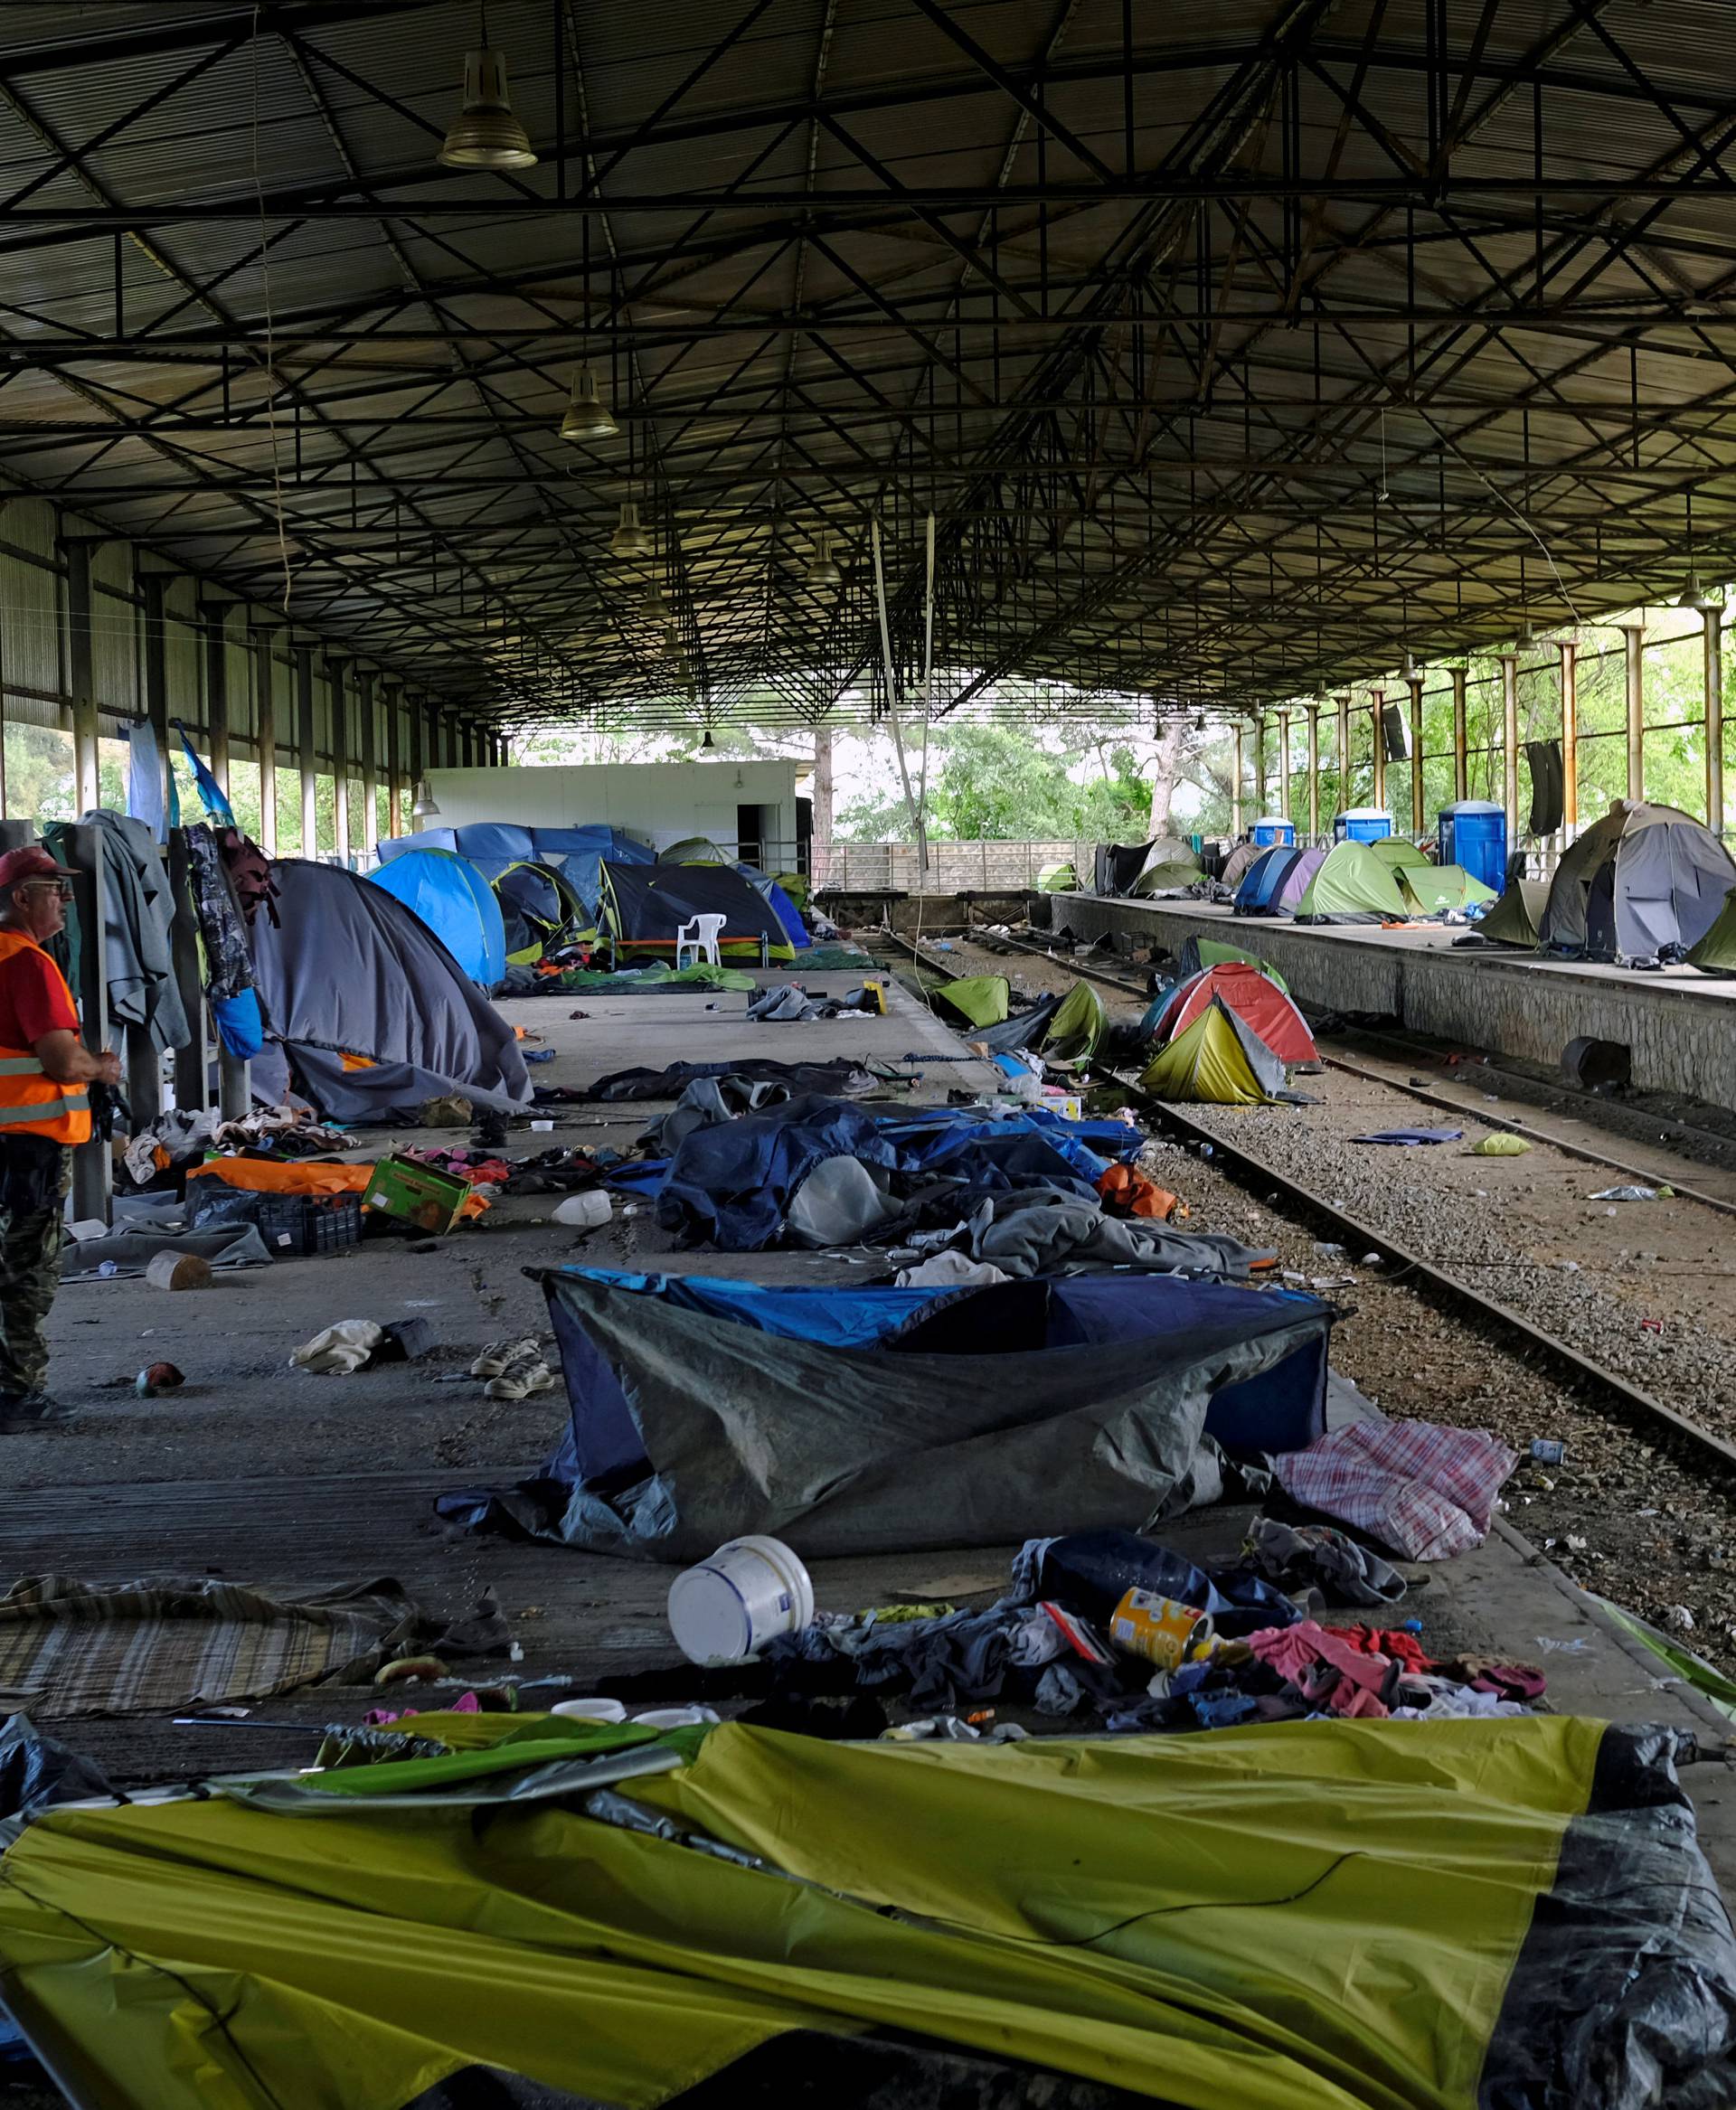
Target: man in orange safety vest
[45,1075]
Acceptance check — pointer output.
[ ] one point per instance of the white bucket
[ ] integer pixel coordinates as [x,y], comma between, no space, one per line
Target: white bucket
[590,1710]
[727,1608]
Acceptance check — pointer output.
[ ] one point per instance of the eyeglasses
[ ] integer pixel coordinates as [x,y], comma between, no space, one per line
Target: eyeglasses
[64,888]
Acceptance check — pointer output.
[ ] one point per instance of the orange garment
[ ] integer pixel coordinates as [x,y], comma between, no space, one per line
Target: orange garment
[1127,1192]
[299,1176]
[30,1102]
[358,1061]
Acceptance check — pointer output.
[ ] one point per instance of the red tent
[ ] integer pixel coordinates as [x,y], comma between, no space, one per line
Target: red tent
[1252,997]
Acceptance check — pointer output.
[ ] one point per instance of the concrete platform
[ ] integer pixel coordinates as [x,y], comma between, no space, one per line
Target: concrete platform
[269,1475]
[1679,1025]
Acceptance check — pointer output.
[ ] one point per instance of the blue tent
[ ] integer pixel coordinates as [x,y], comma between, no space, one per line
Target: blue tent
[779,902]
[1263,880]
[450,896]
[492,845]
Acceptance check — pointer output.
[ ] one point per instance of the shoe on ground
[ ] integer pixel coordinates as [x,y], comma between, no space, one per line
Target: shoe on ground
[32,1411]
[501,1355]
[519,1379]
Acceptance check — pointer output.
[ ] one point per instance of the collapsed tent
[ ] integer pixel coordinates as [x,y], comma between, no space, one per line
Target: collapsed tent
[456,903]
[1074,1921]
[1219,1061]
[1351,885]
[643,906]
[1209,952]
[1253,996]
[1256,893]
[372,1013]
[980,1000]
[1434,890]
[908,1422]
[541,909]
[1078,1024]
[1516,915]
[1643,884]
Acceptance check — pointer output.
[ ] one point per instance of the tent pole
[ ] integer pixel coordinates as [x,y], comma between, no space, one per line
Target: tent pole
[1569,740]
[1462,768]
[1714,721]
[1634,634]
[1510,741]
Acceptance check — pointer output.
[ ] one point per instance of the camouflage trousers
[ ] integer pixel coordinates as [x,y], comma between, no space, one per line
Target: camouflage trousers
[35,1176]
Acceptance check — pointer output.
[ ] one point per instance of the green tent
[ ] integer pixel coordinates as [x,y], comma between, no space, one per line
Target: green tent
[1715,954]
[1514,917]
[1058,879]
[1174,1923]
[1073,1034]
[980,1000]
[1352,886]
[1433,888]
[694,850]
[1169,878]
[1208,952]
[1397,851]
[1217,1061]
[795,885]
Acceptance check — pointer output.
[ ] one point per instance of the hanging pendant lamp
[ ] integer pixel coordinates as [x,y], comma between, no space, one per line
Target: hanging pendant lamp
[485,134]
[823,572]
[653,608]
[587,417]
[629,538]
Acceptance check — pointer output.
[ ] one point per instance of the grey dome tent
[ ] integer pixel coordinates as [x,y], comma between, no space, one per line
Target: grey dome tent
[1641,886]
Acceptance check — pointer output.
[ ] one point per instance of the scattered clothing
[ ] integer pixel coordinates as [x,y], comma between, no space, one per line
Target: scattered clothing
[522,1376]
[1425,1490]
[948,1269]
[1298,1554]
[838,1080]
[139,913]
[340,1350]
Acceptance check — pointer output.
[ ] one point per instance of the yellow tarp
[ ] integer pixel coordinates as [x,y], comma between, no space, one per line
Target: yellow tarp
[1307,1915]
[1205,1064]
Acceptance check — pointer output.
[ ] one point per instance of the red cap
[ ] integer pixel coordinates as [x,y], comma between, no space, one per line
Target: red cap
[30,862]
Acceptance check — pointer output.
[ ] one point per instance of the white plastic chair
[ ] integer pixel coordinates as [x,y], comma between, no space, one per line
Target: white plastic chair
[698,939]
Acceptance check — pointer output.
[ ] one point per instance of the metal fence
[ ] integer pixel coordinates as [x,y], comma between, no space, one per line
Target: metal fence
[954,868]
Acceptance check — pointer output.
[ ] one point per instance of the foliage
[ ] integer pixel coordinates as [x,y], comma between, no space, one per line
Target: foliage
[997,782]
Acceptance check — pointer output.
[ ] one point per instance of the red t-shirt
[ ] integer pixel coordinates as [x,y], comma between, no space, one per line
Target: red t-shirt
[34,999]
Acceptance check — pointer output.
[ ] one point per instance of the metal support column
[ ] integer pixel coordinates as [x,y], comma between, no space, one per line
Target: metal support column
[1342,755]
[1461,761]
[306,759]
[369,759]
[1314,769]
[1261,801]
[82,674]
[1414,683]
[1284,764]
[217,691]
[1235,789]
[1377,748]
[1634,635]
[1510,742]
[394,759]
[417,748]
[92,1166]
[338,684]
[1569,738]
[152,586]
[265,727]
[1715,721]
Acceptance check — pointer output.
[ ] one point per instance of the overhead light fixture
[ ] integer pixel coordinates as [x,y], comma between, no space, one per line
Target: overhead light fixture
[1409,671]
[1695,596]
[653,608]
[1526,638]
[588,416]
[423,806]
[707,749]
[822,571]
[487,135]
[1199,723]
[629,538]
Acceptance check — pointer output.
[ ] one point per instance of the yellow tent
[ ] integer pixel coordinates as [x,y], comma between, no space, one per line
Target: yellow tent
[1219,1061]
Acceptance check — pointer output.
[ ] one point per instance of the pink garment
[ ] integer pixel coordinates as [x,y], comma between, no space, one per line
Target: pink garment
[1297,1653]
[1426,1490]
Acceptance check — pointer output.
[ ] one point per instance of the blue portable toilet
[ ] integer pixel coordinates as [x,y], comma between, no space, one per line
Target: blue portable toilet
[1269,829]
[1474,833]
[1362,824]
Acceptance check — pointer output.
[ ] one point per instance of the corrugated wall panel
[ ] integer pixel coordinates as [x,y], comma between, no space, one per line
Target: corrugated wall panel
[115,661]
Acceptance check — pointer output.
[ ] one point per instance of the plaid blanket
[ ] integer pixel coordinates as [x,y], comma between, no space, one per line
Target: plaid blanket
[176,1641]
[1425,1490]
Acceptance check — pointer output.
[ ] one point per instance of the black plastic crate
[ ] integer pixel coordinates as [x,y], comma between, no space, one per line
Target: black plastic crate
[309,1223]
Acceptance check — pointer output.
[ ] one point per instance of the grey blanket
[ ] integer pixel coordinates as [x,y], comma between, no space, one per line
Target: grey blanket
[1037,1233]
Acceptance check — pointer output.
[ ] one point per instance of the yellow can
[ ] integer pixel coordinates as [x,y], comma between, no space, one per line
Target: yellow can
[1163,1630]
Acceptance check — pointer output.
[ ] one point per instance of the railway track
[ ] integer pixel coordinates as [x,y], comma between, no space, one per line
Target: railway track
[1631,1403]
